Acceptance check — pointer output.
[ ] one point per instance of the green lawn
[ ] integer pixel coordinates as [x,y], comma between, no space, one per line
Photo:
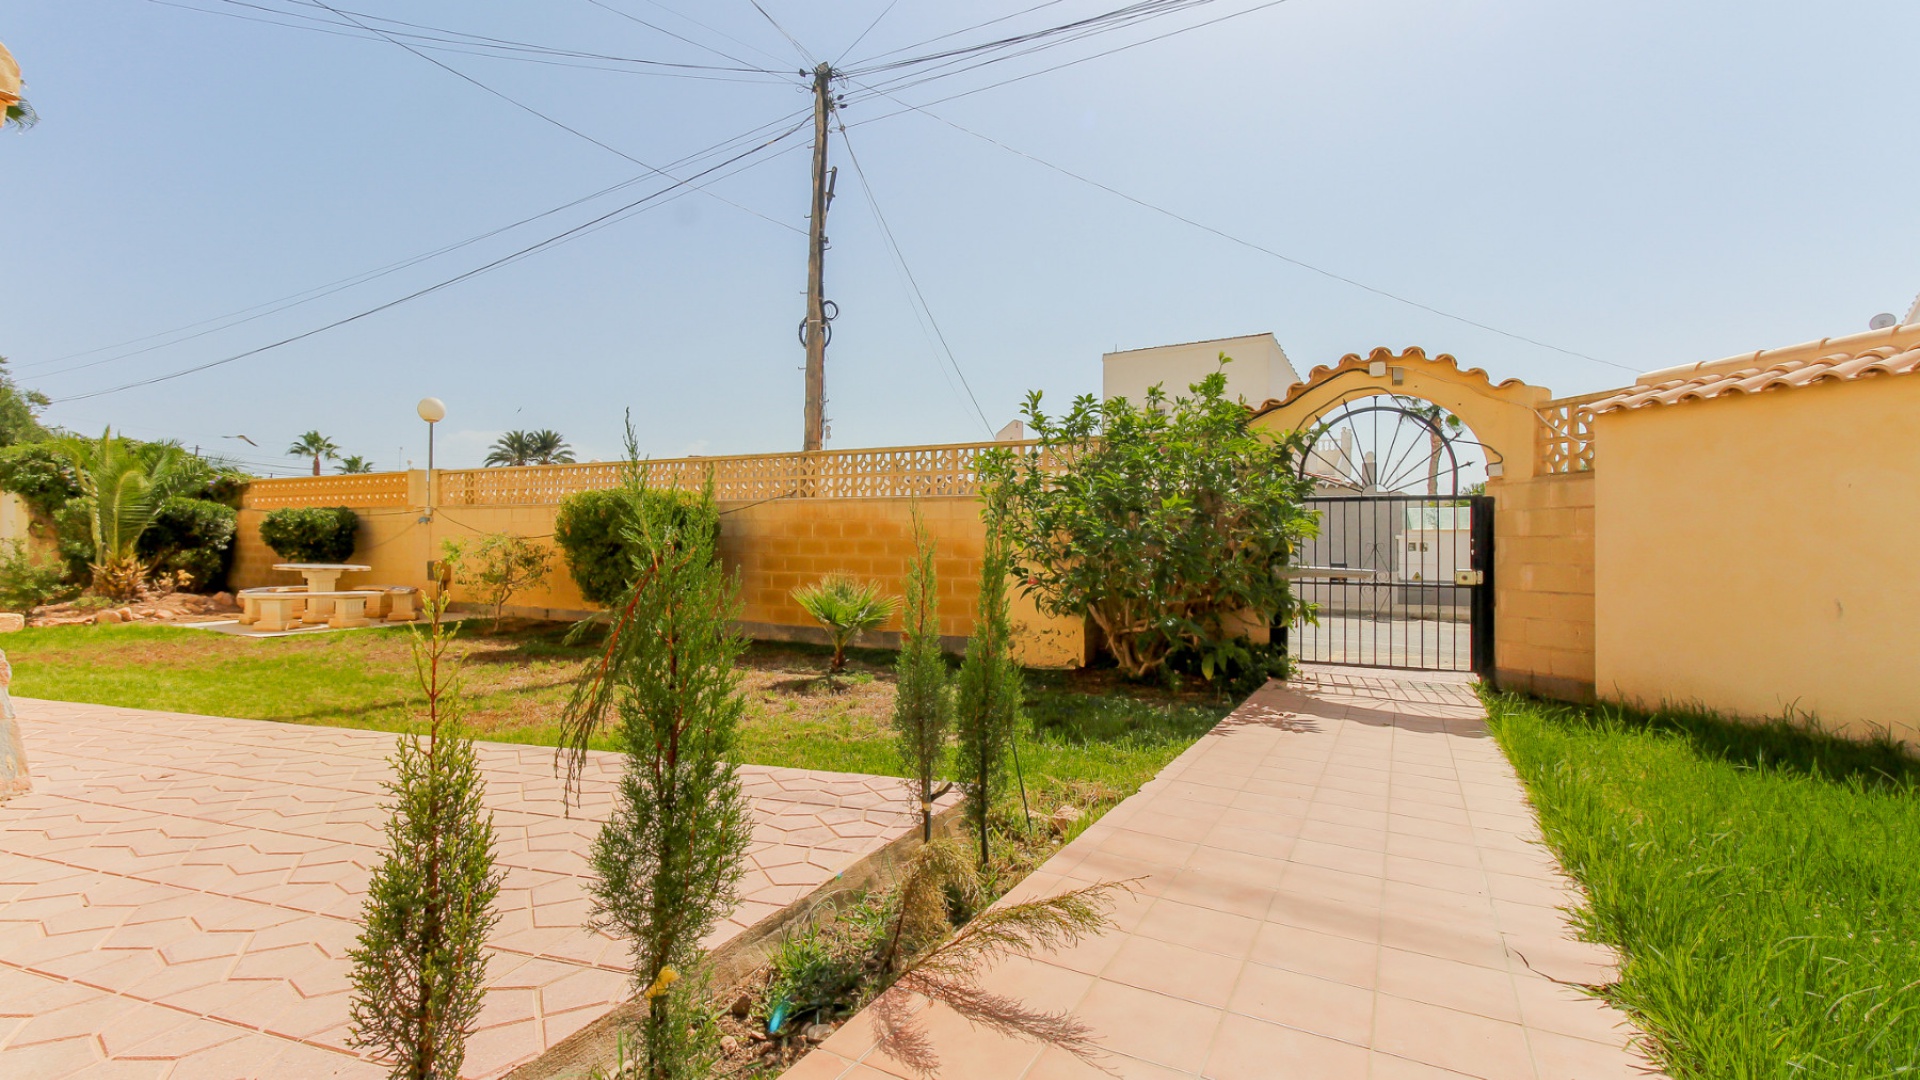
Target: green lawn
[1763,883]
[1092,739]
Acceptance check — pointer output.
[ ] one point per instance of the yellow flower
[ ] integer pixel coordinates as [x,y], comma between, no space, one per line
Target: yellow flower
[666,979]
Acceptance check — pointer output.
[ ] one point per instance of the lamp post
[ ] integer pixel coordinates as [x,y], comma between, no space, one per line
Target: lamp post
[432,410]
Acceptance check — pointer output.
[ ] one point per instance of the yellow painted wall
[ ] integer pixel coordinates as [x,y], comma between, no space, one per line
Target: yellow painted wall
[1757,553]
[1544,584]
[775,545]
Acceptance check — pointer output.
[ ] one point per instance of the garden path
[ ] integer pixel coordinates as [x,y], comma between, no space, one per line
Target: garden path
[1342,880]
[178,892]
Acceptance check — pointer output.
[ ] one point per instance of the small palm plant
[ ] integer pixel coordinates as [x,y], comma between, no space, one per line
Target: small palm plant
[847,608]
[354,463]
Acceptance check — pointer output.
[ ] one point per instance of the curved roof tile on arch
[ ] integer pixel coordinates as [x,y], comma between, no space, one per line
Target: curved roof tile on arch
[1786,374]
[1382,354]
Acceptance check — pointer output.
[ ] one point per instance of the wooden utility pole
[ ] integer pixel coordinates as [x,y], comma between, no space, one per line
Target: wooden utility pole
[815,327]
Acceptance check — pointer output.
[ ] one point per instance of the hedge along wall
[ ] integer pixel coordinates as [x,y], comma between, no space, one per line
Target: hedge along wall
[786,520]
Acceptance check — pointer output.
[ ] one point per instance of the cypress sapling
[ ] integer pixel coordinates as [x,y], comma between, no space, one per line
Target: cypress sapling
[419,968]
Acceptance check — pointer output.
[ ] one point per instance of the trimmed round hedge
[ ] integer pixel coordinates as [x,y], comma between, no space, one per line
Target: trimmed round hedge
[318,534]
[592,528]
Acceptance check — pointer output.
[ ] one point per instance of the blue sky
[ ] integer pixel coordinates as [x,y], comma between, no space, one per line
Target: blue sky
[1645,183]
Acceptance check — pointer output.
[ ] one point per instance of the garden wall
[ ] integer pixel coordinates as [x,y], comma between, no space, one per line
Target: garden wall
[1756,551]
[1544,585]
[786,520]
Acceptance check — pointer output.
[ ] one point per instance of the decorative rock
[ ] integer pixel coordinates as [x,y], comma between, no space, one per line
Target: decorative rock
[105,618]
[1065,818]
[125,614]
[816,1033]
[757,1035]
[729,1045]
[222,599]
[11,621]
[742,1005]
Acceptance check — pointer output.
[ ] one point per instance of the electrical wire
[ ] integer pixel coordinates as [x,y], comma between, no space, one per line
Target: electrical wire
[891,4]
[901,258]
[443,40]
[531,249]
[271,307]
[551,120]
[806,55]
[1261,248]
[602,5]
[962,30]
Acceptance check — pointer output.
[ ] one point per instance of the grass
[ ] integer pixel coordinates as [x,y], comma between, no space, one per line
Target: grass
[1092,739]
[1762,882]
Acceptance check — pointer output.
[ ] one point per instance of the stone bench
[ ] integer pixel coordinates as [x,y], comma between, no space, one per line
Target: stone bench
[278,609]
[396,602]
[250,600]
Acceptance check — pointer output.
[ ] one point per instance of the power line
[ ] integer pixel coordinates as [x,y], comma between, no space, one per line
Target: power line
[893,243]
[443,40]
[524,252]
[663,30]
[321,291]
[962,30]
[556,123]
[716,31]
[806,57]
[1342,278]
[884,12]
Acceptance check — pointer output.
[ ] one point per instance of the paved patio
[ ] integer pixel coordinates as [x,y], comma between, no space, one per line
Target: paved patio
[1342,880]
[178,892]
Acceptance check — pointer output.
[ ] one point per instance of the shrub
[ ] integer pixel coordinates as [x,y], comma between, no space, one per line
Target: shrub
[847,608]
[73,537]
[923,696]
[599,532]
[497,566]
[40,474]
[668,861]
[28,577]
[316,534]
[987,696]
[1165,523]
[194,537]
[420,964]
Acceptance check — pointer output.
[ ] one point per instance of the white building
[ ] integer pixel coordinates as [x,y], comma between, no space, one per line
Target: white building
[1260,369]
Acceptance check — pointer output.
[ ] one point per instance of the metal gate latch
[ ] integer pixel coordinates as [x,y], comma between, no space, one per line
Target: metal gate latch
[1469,577]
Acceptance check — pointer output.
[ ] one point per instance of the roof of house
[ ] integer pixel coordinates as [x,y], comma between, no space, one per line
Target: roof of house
[1202,341]
[1894,351]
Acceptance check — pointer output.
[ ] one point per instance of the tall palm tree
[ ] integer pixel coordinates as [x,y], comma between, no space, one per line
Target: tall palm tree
[124,484]
[513,448]
[549,448]
[354,463]
[1436,418]
[316,446]
[542,447]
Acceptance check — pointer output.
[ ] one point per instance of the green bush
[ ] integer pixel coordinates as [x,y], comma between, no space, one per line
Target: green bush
[194,536]
[593,528]
[73,534]
[39,474]
[29,578]
[316,534]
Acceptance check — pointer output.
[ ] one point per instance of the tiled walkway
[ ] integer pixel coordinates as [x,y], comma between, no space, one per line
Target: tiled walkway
[1343,880]
[178,893]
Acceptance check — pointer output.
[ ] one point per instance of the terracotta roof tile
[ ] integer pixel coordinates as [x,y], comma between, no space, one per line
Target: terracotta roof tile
[1786,374]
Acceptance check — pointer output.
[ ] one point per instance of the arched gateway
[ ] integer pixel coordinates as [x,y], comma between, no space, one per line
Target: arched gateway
[1403,568]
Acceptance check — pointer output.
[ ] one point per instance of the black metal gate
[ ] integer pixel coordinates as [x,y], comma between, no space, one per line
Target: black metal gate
[1399,581]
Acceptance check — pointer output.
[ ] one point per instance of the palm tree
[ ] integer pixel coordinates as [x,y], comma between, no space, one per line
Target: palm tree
[542,447]
[847,608]
[314,445]
[125,483]
[549,448]
[513,448]
[354,463]
[1436,418]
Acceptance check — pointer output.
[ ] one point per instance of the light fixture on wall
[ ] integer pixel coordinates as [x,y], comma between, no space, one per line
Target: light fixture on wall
[1882,321]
